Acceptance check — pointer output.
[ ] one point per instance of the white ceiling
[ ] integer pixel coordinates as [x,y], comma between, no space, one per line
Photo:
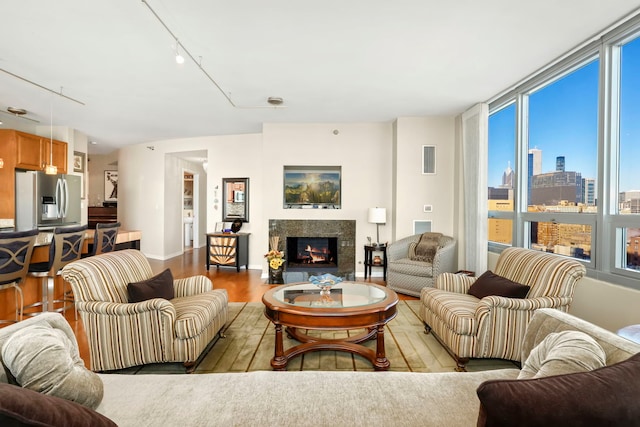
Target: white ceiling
[331,61]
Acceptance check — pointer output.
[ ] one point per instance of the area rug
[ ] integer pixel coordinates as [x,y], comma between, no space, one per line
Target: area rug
[249,346]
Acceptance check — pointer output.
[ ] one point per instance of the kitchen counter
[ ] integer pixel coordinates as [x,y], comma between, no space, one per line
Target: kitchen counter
[129,238]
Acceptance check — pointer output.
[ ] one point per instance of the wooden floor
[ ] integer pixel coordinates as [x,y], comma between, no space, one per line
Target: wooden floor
[243,286]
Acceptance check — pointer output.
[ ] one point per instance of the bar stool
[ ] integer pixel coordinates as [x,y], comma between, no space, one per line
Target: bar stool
[16,249]
[104,239]
[66,246]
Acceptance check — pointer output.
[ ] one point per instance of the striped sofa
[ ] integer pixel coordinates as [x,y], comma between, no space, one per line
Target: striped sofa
[493,327]
[408,276]
[122,334]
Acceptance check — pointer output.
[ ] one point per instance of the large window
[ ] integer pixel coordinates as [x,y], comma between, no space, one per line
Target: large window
[502,143]
[563,159]
[629,172]
[627,207]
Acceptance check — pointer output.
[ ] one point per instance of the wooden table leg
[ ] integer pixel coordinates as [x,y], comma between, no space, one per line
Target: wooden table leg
[279,361]
[381,363]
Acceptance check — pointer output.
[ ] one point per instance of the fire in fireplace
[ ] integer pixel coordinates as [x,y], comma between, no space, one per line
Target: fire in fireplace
[312,253]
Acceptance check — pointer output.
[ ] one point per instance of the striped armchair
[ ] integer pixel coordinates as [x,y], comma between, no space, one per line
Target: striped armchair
[493,327]
[122,334]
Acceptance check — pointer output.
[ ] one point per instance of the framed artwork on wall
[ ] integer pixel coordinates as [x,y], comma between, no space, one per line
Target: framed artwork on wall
[78,161]
[315,187]
[110,186]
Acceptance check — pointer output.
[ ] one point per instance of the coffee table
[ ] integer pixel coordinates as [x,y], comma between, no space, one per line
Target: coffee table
[348,305]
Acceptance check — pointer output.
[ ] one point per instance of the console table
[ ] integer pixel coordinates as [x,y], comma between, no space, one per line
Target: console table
[228,249]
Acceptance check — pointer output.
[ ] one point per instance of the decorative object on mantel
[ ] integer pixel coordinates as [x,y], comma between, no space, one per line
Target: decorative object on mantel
[276,261]
[377,216]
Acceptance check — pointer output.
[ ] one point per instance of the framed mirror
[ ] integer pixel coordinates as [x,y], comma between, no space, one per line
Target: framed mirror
[235,199]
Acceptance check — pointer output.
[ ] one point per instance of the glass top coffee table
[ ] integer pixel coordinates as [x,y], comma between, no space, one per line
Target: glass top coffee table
[347,305]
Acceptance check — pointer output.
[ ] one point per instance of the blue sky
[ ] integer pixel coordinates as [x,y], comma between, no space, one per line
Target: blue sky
[563,119]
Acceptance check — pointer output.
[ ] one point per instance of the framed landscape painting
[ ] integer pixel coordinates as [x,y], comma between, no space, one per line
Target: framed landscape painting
[315,187]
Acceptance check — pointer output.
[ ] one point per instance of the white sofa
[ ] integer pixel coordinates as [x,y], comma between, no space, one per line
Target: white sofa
[316,398]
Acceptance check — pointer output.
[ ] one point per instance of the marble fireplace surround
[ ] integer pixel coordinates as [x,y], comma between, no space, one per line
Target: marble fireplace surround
[343,230]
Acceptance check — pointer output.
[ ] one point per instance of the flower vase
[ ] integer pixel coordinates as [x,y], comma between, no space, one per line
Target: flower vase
[275,276]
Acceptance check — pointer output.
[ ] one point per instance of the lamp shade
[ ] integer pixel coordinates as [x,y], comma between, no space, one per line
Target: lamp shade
[377,215]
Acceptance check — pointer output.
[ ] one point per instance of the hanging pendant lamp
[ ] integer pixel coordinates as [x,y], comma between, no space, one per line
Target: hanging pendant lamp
[51,169]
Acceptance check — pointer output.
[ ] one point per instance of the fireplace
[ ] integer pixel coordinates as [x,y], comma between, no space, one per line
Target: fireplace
[312,254]
[340,235]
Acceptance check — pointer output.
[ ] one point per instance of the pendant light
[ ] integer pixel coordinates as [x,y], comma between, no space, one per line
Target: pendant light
[51,169]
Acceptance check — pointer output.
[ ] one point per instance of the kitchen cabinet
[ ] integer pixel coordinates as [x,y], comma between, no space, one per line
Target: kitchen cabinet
[34,152]
[24,151]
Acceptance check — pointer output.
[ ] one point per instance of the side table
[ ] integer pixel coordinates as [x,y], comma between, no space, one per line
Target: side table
[369,259]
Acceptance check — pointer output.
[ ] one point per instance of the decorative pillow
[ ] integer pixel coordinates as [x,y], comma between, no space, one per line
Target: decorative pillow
[159,286]
[23,407]
[607,396]
[492,284]
[564,352]
[44,359]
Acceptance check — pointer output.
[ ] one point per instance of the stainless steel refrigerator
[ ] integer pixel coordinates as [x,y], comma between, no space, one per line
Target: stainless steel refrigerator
[46,201]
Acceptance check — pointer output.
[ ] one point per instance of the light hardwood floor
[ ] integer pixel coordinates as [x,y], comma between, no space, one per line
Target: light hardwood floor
[243,286]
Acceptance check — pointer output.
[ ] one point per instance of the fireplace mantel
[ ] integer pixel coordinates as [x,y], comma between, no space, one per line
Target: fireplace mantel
[343,230]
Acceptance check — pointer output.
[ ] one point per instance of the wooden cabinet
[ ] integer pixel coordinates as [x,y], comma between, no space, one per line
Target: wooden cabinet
[34,152]
[59,154]
[28,151]
[228,249]
[24,151]
[101,214]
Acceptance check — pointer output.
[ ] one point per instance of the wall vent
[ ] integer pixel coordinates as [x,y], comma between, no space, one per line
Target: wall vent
[428,159]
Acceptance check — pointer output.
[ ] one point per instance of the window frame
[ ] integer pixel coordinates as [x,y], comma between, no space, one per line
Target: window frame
[608,247]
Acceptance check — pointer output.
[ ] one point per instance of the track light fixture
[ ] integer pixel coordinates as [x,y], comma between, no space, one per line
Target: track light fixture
[179,58]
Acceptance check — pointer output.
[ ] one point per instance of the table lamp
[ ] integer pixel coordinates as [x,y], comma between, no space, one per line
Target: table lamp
[378,216]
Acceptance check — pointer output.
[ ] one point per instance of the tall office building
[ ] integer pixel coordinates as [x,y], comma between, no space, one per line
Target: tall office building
[560,164]
[589,189]
[508,177]
[534,167]
[535,161]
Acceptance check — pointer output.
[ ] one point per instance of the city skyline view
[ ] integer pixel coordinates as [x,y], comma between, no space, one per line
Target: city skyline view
[563,122]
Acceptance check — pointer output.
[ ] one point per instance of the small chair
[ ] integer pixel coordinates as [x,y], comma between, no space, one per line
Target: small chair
[66,246]
[16,249]
[408,275]
[104,239]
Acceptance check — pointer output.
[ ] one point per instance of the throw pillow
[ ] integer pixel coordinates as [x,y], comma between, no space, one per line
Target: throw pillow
[607,396]
[45,360]
[563,353]
[492,284]
[158,286]
[23,407]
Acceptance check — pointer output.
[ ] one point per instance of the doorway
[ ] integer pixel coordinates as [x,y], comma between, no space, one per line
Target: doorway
[189,196]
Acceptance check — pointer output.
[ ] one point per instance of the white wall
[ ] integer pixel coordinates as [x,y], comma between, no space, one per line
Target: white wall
[149,183]
[412,189]
[363,150]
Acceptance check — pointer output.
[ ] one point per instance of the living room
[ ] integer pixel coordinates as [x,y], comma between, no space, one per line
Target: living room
[381,166]
[191,124]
